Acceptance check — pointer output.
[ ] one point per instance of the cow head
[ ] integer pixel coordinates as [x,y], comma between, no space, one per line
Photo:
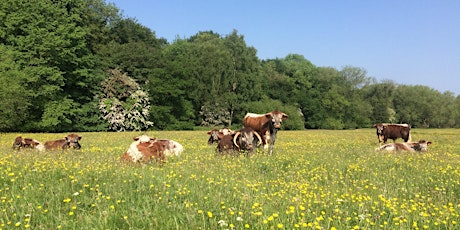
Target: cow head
[215,136]
[143,138]
[276,118]
[72,141]
[18,142]
[379,130]
[422,145]
[244,139]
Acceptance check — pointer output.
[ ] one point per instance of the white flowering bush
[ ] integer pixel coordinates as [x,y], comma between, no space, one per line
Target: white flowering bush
[123,104]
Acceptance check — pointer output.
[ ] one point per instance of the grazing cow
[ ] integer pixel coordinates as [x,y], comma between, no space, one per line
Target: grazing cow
[267,125]
[216,135]
[242,140]
[27,143]
[144,150]
[420,146]
[392,131]
[70,141]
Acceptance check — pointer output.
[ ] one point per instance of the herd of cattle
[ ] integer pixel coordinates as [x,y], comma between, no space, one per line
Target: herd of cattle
[258,129]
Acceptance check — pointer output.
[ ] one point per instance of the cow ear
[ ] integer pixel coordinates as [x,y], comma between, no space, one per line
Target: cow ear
[428,143]
[284,117]
[268,115]
[136,138]
[209,132]
[79,137]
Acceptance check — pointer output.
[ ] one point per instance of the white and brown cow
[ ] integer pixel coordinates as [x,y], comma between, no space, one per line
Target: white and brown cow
[267,125]
[241,140]
[420,146]
[387,131]
[69,141]
[216,134]
[20,142]
[144,150]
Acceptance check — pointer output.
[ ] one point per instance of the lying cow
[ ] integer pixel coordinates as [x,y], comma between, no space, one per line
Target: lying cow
[267,125]
[20,142]
[387,131]
[420,146]
[216,135]
[70,141]
[242,140]
[144,150]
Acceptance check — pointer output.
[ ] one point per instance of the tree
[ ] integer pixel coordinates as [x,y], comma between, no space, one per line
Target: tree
[123,104]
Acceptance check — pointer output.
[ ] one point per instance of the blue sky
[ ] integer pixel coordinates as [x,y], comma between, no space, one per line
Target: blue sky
[411,42]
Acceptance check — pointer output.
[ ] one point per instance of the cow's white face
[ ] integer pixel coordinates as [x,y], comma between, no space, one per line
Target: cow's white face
[423,145]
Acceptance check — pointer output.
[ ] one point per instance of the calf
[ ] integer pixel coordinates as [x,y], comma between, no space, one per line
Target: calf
[392,131]
[20,142]
[144,150]
[70,141]
[420,146]
[242,140]
[267,125]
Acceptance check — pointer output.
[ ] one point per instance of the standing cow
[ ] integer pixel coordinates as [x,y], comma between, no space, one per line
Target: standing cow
[267,125]
[70,141]
[392,131]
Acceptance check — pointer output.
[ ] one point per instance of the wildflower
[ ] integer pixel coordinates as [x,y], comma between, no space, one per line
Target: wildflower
[239,218]
[210,214]
[280,225]
[222,223]
[247,226]
[67,200]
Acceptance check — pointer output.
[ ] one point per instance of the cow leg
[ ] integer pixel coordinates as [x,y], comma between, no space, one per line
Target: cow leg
[272,141]
[267,138]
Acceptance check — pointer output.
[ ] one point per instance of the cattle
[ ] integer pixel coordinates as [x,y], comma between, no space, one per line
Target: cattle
[242,140]
[267,125]
[20,142]
[392,131]
[144,150]
[420,146]
[70,141]
[216,135]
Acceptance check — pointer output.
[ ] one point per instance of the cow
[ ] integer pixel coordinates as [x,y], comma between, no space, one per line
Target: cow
[387,131]
[20,142]
[241,140]
[69,141]
[170,147]
[420,146]
[216,134]
[267,125]
[144,150]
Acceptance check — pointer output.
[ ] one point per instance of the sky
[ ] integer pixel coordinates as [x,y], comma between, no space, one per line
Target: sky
[410,42]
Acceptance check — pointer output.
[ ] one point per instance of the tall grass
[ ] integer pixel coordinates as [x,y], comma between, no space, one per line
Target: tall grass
[317,179]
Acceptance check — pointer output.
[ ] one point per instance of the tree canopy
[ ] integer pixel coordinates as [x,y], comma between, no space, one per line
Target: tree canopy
[59,57]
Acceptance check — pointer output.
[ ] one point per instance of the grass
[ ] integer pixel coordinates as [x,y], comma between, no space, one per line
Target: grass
[317,179]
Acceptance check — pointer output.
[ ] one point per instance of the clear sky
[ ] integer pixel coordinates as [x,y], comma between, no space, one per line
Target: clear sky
[411,42]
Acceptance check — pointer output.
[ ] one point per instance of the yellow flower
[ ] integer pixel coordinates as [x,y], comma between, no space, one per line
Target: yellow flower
[210,214]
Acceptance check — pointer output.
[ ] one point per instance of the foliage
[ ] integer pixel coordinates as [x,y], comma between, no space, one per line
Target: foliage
[123,104]
[54,56]
[317,179]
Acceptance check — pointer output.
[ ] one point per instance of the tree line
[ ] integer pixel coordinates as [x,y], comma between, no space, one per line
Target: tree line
[80,65]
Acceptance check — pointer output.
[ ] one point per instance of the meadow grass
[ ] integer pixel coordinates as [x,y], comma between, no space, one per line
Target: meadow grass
[316,179]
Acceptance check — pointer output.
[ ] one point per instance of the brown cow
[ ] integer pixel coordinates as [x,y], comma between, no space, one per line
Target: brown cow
[267,125]
[70,141]
[387,131]
[27,143]
[420,146]
[144,150]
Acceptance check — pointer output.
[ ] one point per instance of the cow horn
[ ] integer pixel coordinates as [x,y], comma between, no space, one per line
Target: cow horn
[258,137]
[234,139]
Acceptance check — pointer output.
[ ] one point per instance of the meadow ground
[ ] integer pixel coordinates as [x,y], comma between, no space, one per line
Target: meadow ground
[316,179]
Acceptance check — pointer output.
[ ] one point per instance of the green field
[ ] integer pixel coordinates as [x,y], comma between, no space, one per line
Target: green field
[317,179]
